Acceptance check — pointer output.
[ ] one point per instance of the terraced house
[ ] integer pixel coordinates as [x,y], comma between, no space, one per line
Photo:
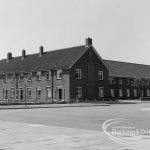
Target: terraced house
[75,73]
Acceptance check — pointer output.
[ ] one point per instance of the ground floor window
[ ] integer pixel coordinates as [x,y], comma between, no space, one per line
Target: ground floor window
[38,92]
[48,92]
[128,92]
[78,92]
[120,93]
[135,92]
[12,92]
[5,94]
[112,92]
[101,91]
[148,92]
[29,93]
[17,94]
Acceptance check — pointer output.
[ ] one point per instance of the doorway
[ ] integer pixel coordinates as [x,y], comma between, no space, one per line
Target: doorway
[21,94]
[60,95]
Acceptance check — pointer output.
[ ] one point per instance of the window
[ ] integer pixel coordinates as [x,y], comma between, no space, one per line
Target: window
[101,92]
[12,92]
[120,93]
[21,77]
[147,82]
[128,92]
[29,76]
[39,76]
[78,74]
[120,81]
[59,74]
[148,92]
[5,78]
[48,75]
[5,94]
[112,92]
[78,92]
[38,92]
[128,81]
[135,92]
[48,92]
[112,80]
[100,75]
[13,78]
[29,93]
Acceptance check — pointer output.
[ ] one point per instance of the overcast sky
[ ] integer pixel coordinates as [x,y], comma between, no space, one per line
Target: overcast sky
[120,29]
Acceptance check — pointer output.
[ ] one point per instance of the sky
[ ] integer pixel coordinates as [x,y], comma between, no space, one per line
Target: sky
[120,29]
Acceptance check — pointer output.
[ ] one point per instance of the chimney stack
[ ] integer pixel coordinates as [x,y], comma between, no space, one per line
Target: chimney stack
[88,42]
[41,51]
[9,56]
[23,54]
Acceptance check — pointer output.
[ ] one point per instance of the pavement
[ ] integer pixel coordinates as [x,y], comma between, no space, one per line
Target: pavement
[86,104]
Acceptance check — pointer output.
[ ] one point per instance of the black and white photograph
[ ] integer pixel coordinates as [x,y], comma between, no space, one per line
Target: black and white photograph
[74,74]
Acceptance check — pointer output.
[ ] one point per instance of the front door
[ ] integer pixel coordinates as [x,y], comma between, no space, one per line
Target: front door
[60,93]
[21,94]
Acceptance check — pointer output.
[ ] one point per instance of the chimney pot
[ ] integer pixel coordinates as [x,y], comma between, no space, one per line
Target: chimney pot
[41,51]
[23,54]
[88,42]
[9,56]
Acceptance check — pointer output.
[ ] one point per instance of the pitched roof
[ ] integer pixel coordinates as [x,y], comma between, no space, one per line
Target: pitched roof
[62,58]
[124,69]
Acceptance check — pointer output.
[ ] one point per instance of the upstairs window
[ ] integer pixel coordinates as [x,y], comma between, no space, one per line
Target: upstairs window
[39,76]
[29,76]
[100,75]
[120,81]
[48,75]
[78,74]
[147,82]
[112,80]
[21,77]
[128,81]
[59,74]
[5,78]
[13,78]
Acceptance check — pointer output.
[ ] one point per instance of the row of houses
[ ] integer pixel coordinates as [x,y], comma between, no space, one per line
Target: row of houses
[70,74]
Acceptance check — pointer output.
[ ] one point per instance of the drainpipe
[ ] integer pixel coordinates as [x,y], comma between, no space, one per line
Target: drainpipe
[52,74]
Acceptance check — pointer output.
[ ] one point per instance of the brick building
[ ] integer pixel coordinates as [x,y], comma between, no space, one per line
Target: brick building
[69,74]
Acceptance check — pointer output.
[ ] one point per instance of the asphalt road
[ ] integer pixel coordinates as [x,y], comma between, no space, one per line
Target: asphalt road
[90,118]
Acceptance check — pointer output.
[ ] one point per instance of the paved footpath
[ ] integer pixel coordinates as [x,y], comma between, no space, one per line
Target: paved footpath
[23,136]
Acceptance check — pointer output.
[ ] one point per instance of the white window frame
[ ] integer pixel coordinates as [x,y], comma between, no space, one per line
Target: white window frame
[100,75]
[37,94]
[148,92]
[39,76]
[5,78]
[4,94]
[78,73]
[13,93]
[78,92]
[48,89]
[59,74]
[21,77]
[112,80]
[29,76]
[128,92]
[101,91]
[135,92]
[29,96]
[120,92]
[112,92]
[48,74]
